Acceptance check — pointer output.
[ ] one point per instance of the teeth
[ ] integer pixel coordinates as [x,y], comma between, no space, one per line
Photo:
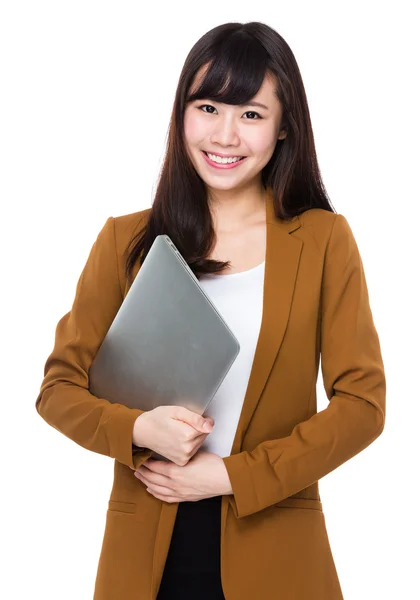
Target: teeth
[223,161]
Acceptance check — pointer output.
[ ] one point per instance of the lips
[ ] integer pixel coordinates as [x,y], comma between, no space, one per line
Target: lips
[222,166]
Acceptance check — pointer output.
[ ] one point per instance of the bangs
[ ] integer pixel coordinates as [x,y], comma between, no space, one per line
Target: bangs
[235,73]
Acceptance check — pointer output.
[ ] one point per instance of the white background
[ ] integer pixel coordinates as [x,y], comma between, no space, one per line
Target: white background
[86,94]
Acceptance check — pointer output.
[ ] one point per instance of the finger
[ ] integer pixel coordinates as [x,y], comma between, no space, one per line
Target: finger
[200,437]
[168,499]
[162,490]
[157,466]
[155,476]
[152,478]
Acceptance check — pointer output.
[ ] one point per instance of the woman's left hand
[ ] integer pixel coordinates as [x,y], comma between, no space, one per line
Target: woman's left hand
[204,476]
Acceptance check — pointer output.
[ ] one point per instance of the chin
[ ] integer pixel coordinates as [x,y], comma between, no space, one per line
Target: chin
[227,186]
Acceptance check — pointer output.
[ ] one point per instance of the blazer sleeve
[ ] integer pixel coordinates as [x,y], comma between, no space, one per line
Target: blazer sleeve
[354,381]
[64,400]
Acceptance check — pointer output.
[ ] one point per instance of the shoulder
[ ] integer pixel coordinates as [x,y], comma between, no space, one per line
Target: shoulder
[322,226]
[318,218]
[132,220]
[129,225]
[325,232]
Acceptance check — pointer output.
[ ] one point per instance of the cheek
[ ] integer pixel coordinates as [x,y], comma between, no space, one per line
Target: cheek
[193,129]
[262,141]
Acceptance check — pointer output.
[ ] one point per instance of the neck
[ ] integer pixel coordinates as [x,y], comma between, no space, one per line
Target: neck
[234,209]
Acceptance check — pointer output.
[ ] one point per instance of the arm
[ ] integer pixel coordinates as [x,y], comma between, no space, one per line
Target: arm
[354,381]
[64,400]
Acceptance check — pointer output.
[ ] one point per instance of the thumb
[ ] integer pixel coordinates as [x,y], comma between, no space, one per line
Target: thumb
[204,423]
[207,424]
[195,420]
[208,420]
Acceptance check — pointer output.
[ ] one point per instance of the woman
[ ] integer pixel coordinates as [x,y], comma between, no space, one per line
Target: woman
[242,521]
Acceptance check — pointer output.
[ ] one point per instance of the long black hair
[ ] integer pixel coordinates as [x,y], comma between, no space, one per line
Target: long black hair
[238,56]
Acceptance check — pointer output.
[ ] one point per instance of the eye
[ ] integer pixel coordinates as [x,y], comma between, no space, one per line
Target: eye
[249,112]
[252,112]
[205,105]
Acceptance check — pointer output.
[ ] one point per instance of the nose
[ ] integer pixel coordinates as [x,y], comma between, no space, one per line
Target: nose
[225,132]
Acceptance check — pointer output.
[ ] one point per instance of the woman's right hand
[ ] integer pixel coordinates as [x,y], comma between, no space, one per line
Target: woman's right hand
[174,432]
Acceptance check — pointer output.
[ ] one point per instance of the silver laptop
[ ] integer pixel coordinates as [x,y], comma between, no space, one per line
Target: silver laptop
[168,344]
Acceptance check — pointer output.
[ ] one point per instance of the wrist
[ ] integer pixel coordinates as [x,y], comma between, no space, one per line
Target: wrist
[227,487]
[138,438]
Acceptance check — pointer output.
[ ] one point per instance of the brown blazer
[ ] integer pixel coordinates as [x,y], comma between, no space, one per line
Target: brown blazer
[274,542]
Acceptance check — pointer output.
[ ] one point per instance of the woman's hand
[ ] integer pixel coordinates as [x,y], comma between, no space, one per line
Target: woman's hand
[204,476]
[174,432]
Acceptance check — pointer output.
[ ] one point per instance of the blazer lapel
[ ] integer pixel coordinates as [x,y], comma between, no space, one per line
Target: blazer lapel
[281,267]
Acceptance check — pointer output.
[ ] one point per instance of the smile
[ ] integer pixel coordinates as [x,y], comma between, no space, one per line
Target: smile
[220,163]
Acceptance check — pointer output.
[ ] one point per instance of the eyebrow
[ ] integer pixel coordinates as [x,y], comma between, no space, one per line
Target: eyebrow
[253,103]
[250,103]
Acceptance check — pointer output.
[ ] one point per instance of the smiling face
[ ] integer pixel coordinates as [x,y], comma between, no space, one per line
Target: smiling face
[228,130]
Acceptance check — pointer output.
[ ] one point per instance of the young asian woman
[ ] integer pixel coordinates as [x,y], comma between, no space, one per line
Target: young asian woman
[241,196]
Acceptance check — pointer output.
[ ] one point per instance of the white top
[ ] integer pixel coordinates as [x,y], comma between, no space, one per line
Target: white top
[239,299]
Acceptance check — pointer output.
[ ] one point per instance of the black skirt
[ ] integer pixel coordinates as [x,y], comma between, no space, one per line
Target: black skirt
[192,568]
